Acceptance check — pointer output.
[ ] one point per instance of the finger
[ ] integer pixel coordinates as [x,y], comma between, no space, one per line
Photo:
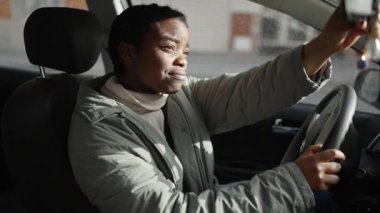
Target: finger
[330,179]
[362,26]
[325,188]
[311,150]
[316,148]
[330,155]
[331,167]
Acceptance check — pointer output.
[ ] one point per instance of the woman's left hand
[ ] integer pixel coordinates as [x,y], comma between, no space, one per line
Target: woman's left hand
[338,34]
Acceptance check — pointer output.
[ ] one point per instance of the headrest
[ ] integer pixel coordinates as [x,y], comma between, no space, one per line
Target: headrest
[65,39]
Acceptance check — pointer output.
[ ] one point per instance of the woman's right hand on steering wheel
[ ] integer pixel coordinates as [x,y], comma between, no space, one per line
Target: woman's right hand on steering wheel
[320,167]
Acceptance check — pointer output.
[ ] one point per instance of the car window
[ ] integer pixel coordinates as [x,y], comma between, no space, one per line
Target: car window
[13,15]
[233,36]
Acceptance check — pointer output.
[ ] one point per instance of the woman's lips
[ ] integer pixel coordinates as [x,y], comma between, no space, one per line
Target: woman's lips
[177,75]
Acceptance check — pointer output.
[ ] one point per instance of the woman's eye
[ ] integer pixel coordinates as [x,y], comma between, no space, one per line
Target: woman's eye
[168,47]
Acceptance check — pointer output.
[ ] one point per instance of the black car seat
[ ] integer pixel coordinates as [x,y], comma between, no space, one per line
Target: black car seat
[37,115]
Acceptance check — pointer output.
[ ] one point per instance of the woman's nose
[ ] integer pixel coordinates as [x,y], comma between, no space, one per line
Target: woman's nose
[181,60]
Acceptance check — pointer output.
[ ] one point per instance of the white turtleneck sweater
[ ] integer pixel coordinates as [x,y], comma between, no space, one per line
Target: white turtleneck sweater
[148,106]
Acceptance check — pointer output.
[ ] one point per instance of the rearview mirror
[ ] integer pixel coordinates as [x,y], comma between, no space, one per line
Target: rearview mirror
[367,86]
[356,10]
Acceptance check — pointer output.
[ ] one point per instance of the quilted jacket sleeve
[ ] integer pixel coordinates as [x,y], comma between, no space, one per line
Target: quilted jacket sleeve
[234,100]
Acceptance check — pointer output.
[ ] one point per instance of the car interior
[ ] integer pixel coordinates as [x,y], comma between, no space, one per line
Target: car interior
[36,109]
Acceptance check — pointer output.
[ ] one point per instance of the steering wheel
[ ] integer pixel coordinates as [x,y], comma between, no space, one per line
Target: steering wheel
[327,124]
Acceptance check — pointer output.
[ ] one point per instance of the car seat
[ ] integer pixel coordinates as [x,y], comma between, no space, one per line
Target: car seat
[36,117]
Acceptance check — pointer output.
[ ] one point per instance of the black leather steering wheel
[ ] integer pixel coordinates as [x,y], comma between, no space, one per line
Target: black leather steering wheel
[327,124]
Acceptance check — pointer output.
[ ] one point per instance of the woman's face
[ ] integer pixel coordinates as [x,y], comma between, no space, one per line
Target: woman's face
[159,64]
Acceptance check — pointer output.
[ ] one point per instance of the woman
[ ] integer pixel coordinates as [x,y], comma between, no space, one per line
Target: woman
[140,139]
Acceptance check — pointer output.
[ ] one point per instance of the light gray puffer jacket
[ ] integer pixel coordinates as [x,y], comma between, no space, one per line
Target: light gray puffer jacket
[124,166]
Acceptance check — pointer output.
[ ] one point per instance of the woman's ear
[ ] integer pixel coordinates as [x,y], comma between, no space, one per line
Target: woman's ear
[127,52]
